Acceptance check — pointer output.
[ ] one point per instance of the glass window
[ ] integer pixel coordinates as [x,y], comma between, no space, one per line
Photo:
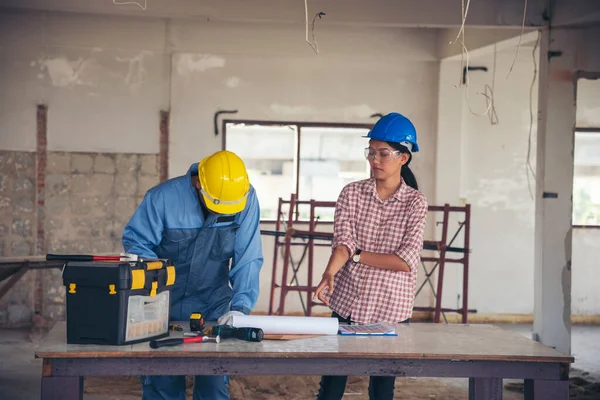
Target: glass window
[316,161]
[269,155]
[586,179]
[330,158]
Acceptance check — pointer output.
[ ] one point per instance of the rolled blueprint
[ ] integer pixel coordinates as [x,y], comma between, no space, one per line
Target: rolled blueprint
[284,325]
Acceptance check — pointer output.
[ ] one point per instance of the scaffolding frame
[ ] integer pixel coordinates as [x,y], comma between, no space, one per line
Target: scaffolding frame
[307,238]
[443,247]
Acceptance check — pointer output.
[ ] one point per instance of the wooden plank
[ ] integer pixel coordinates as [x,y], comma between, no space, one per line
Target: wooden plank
[303,366]
[31,264]
[62,388]
[22,260]
[458,342]
[18,274]
[485,389]
[8,271]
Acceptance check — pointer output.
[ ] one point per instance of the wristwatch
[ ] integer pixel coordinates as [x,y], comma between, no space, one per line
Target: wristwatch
[356,256]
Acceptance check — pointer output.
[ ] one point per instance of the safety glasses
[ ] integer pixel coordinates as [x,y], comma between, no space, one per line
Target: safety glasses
[383,155]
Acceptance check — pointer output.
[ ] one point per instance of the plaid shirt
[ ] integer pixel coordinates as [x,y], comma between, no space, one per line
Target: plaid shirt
[391,226]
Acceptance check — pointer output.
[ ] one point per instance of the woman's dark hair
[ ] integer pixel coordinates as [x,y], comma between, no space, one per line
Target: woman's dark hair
[405,172]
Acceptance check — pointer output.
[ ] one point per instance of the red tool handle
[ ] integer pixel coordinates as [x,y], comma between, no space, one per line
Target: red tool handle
[80,257]
[155,344]
[197,339]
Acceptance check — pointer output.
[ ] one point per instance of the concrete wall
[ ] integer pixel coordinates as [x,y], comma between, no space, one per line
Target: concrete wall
[585,296]
[90,198]
[105,80]
[17,229]
[102,78]
[485,165]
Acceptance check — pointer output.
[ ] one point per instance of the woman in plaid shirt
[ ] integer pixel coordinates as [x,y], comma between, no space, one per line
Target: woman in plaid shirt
[377,244]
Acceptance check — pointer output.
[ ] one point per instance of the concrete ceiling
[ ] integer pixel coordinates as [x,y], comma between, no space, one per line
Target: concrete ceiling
[381,13]
[502,19]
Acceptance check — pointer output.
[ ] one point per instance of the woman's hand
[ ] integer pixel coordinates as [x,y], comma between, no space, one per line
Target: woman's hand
[326,281]
[337,260]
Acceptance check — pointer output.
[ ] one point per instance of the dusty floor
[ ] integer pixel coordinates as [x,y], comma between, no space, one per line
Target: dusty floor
[299,388]
[20,376]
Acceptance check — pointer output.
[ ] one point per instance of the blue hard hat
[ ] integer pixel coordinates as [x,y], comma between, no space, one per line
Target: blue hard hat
[395,128]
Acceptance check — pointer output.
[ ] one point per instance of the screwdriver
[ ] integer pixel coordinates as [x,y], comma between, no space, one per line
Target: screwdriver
[228,331]
[155,344]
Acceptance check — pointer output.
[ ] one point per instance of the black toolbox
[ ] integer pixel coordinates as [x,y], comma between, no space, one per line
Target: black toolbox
[116,303]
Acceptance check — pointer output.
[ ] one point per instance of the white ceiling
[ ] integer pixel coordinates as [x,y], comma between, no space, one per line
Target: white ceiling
[383,13]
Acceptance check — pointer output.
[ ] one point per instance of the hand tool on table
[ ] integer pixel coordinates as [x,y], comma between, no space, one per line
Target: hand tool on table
[88,257]
[155,344]
[228,331]
[196,322]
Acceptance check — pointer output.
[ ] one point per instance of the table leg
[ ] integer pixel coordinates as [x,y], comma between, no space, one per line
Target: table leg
[62,387]
[546,390]
[485,388]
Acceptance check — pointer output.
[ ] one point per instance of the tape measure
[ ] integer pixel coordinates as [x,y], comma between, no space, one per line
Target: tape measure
[196,322]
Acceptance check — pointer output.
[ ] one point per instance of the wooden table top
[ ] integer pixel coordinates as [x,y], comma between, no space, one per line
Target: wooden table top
[456,342]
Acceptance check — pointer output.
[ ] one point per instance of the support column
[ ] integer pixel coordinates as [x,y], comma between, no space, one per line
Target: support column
[41,158]
[163,155]
[40,185]
[554,189]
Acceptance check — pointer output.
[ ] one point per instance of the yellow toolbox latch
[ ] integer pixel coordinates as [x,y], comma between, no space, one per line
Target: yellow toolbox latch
[170,275]
[138,279]
[152,265]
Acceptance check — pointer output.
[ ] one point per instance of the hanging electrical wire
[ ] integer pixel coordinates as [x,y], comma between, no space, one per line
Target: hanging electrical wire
[492,114]
[520,38]
[528,167]
[464,62]
[489,100]
[131,2]
[314,45]
[461,31]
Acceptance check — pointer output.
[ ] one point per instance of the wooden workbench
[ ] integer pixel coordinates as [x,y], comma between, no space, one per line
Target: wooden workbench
[486,354]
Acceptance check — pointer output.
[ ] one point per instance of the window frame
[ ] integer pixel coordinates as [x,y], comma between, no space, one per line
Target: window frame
[579,75]
[299,125]
[596,131]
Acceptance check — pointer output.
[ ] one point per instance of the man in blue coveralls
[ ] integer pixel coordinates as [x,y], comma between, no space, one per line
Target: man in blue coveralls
[202,221]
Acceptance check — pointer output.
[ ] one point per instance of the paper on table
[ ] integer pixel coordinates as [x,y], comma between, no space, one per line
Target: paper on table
[284,325]
[371,329]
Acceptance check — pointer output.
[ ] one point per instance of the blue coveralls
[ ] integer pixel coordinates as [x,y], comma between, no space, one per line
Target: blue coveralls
[170,223]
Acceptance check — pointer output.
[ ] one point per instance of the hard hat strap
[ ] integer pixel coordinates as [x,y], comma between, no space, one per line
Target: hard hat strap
[408,145]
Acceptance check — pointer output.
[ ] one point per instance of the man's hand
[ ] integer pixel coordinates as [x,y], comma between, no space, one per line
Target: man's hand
[326,281]
[227,318]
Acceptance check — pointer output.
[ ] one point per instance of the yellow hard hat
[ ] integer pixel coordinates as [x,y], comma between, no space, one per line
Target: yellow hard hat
[224,182]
